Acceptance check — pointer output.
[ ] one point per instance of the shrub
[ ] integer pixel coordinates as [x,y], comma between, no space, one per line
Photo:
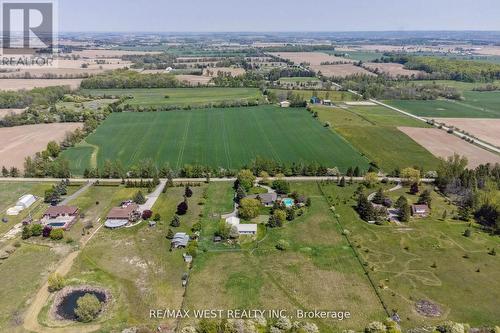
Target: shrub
[36,229]
[175,221]
[56,234]
[26,232]
[56,282]
[182,208]
[139,198]
[249,208]
[46,231]
[146,215]
[282,245]
[87,308]
[188,192]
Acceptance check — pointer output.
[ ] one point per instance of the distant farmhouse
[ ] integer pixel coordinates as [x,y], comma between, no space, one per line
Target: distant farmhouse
[123,215]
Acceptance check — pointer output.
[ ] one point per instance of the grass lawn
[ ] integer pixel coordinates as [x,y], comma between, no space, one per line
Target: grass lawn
[228,138]
[400,259]
[179,96]
[318,271]
[10,192]
[372,130]
[475,105]
[21,275]
[134,263]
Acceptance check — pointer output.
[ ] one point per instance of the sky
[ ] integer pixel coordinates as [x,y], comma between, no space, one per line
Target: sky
[277,15]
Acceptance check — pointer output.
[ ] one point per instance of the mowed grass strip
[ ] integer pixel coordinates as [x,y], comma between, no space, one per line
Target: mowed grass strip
[373,131]
[228,138]
[179,96]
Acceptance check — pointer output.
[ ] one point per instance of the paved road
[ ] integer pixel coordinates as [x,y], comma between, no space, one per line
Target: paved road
[201,180]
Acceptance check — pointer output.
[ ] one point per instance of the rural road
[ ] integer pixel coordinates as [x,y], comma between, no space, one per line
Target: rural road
[185,180]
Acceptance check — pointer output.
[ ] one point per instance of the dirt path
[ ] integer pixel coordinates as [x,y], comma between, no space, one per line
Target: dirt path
[31,317]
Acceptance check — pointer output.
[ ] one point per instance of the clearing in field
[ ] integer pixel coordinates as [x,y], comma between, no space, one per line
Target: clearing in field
[373,131]
[393,70]
[487,130]
[193,80]
[22,141]
[311,58]
[28,84]
[179,96]
[426,259]
[228,138]
[442,144]
[340,71]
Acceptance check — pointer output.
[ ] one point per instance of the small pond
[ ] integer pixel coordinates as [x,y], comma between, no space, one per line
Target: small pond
[66,305]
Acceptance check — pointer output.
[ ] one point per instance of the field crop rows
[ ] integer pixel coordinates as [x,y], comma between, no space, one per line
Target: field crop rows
[179,96]
[229,138]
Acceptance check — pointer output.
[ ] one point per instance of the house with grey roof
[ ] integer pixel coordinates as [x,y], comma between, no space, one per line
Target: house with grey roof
[267,199]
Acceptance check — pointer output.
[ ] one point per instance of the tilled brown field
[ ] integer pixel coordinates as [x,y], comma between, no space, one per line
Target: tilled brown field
[22,141]
[393,70]
[484,129]
[313,58]
[19,84]
[442,144]
[341,70]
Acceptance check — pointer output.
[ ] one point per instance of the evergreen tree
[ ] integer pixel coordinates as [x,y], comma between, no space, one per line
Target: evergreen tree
[404,212]
[342,182]
[414,188]
[176,222]
[188,192]
[349,172]
[379,197]
[182,208]
[400,202]
[356,172]
[365,208]
[5,172]
[170,234]
[425,198]
[139,198]
[240,193]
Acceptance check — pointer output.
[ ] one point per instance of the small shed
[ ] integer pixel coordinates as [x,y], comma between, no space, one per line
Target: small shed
[315,100]
[285,104]
[327,102]
[420,210]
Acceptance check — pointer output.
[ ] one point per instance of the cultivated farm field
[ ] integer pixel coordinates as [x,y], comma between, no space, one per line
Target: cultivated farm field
[444,145]
[229,138]
[28,84]
[393,70]
[373,131]
[485,129]
[341,70]
[179,96]
[6,112]
[475,105]
[312,58]
[22,141]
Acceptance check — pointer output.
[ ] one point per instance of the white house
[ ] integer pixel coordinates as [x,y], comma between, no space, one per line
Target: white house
[243,229]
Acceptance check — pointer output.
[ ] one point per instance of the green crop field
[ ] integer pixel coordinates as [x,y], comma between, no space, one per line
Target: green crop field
[334,95]
[179,96]
[373,131]
[229,138]
[475,105]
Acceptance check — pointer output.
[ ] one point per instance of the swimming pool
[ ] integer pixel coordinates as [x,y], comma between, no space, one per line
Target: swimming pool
[288,202]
